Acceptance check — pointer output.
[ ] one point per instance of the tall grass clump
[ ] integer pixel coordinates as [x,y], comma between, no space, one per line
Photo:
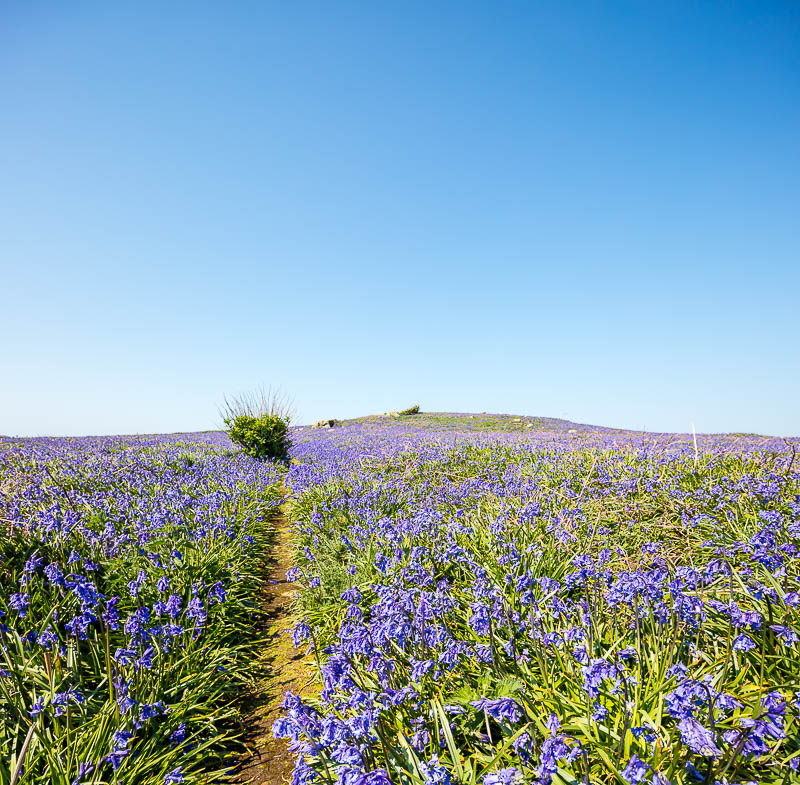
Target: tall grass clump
[259,423]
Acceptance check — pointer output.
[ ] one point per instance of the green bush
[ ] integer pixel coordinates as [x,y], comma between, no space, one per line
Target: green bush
[410,410]
[262,437]
[259,422]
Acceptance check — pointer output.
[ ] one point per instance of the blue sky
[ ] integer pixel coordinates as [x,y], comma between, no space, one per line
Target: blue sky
[580,210]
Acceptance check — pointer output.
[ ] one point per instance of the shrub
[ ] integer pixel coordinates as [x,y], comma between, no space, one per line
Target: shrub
[261,437]
[410,410]
[259,423]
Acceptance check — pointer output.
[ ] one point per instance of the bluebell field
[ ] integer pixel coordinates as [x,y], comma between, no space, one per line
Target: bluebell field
[553,606]
[581,607]
[128,582]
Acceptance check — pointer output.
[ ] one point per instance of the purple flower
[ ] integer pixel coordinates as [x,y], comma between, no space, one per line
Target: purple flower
[19,602]
[135,585]
[179,734]
[743,643]
[111,614]
[785,634]
[217,593]
[502,709]
[173,777]
[116,757]
[523,746]
[33,564]
[554,749]
[55,576]
[503,777]
[173,606]
[87,767]
[196,610]
[300,633]
[596,673]
[47,638]
[698,738]
[636,770]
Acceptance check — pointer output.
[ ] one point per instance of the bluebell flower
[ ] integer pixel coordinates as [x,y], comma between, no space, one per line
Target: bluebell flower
[19,602]
[524,747]
[196,610]
[596,673]
[217,593]
[698,738]
[87,767]
[116,757]
[33,564]
[47,638]
[303,774]
[786,635]
[554,749]
[300,633]
[179,734]
[434,773]
[502,709]
[636,770]
[54,575]
[508,776]
[173,606]
[135,585]
[743,643]
[111,614]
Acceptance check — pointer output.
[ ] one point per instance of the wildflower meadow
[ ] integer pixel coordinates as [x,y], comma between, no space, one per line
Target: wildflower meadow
[517,602]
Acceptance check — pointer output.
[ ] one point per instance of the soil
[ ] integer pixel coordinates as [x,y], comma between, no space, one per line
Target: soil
[269,761]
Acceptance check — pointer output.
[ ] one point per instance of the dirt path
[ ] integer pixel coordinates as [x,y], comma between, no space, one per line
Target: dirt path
[285,668]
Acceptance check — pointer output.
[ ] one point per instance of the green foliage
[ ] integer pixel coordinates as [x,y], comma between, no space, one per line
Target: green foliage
[411,410]
[261,437]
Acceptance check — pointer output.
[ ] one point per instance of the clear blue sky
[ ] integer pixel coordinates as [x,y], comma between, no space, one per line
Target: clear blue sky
[582,210]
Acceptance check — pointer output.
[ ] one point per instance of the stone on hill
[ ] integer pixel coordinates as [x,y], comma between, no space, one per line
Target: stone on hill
[324,424]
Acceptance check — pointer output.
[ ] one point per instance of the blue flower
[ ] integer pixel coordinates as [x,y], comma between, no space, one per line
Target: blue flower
[636,770]
[743,643]
[698,738]
[503,777]
[502,709]
[87,767]
[785,634]
[19,601]
[116,757]
[217,593]
[179,734]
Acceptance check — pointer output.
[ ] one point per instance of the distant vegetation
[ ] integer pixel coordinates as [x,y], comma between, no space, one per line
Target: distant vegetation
[410,410]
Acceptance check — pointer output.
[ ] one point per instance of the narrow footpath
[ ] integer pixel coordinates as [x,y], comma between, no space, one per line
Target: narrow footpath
[269,761]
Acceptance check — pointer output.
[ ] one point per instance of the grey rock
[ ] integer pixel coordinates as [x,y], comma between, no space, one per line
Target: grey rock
[324,423]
